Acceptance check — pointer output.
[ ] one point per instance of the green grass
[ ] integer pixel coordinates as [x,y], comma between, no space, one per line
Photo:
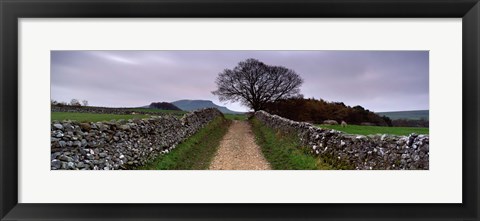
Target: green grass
[369,130]
[196,152]
[411,115]
[92,117]
[236,116]
[284,152]
[152,110]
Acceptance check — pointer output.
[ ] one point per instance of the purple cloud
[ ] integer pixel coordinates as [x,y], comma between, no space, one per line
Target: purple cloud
[376,80]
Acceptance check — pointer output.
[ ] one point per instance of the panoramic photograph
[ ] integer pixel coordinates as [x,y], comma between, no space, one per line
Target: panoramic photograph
[239,110]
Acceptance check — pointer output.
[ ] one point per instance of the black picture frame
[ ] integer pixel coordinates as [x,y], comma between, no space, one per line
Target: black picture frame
[12,10]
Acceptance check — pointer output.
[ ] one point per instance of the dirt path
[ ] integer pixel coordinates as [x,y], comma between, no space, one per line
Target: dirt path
[238,150]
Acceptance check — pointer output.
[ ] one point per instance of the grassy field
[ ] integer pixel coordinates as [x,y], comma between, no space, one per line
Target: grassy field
[410,115]
[181,113]
[236,116]
[92,117]
[196,152]
[368,130]
[283,151]
[151,110]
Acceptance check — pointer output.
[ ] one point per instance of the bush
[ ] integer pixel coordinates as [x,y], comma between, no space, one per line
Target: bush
[317,111]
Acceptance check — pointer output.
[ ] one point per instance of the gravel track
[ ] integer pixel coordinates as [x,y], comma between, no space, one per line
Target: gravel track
[238,150]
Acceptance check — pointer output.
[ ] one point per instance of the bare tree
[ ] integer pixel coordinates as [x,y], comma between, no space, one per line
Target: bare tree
[85,102]
[75,102]
[253,83]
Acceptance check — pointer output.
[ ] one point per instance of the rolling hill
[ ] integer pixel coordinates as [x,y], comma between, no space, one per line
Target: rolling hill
[163,106]
[189,105]
[409,115]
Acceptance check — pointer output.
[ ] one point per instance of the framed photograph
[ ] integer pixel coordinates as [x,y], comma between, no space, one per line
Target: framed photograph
[239,110]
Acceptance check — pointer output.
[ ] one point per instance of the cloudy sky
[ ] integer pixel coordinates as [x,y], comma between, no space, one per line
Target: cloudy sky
[376,80]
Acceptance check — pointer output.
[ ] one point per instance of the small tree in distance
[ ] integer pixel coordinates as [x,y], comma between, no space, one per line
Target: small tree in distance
[254,84]
[75,102]
[85,102]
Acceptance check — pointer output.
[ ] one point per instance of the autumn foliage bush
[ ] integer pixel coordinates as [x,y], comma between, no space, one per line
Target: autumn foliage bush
[316,111]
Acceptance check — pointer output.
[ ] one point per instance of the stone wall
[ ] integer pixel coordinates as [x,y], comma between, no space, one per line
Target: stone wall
[121,144]
[378,152]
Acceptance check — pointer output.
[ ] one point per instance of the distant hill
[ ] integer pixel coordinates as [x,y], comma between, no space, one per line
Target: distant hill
[409,115]
[190,105]
[163,106]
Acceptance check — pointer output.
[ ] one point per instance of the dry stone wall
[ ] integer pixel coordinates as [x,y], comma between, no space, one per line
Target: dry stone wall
[121,144]
[378,152]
